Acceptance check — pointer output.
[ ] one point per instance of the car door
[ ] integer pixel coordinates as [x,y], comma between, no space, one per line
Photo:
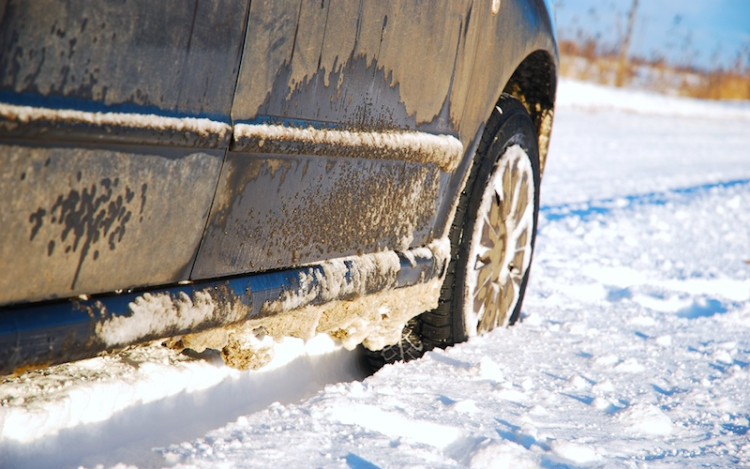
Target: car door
[345,122]
[114,122]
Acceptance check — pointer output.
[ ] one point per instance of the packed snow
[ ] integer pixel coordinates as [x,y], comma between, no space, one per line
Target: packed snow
[633,349]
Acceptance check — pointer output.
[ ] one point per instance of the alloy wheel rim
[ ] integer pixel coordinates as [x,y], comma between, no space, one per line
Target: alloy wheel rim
[500,250]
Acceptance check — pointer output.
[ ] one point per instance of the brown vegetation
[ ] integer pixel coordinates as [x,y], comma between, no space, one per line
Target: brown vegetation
[585,59]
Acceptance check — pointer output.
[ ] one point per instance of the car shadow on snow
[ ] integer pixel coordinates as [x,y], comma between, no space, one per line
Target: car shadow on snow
[356,462]
[702,309]
[548,460]
[591,209]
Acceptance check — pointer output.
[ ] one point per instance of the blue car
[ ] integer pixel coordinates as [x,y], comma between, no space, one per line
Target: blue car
[207,173]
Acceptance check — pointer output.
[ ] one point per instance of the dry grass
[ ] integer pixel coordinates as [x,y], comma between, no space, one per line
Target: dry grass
[587,61]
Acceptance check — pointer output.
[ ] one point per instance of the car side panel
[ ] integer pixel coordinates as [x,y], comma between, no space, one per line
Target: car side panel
[96,219]
[114,123]
[277,211]
[347,66]
[369,65]
[377,67]
[132,55]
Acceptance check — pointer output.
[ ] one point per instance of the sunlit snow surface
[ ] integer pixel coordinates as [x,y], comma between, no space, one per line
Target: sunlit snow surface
[633,349]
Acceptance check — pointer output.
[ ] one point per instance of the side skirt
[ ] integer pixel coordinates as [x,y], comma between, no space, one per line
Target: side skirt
[335,293]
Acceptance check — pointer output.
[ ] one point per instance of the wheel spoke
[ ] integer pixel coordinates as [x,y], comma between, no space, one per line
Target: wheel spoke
[522,202]
[485,276]
[508,301]
[501,244]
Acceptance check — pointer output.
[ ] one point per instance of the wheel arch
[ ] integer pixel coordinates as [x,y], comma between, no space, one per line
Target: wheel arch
[534,83]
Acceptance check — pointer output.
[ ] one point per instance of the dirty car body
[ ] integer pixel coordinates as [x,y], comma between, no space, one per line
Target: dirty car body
[232,159]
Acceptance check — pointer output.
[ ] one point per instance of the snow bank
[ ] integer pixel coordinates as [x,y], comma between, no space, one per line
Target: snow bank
[44,403]
[591,96]
[94,390]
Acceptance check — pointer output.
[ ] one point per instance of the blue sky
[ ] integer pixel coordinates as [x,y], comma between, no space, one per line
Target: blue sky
[698,32]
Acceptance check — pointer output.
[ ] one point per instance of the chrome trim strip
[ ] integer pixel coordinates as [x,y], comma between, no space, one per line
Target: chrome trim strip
[118,127]
[199,126]
[444,151]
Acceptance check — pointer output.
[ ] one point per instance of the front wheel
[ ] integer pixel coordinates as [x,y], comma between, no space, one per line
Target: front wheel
[495,271]
[492,239]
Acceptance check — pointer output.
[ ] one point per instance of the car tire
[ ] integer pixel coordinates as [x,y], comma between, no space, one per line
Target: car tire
[487,276]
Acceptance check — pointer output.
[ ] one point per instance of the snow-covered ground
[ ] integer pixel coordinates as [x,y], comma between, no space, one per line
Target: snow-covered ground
[633,349]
